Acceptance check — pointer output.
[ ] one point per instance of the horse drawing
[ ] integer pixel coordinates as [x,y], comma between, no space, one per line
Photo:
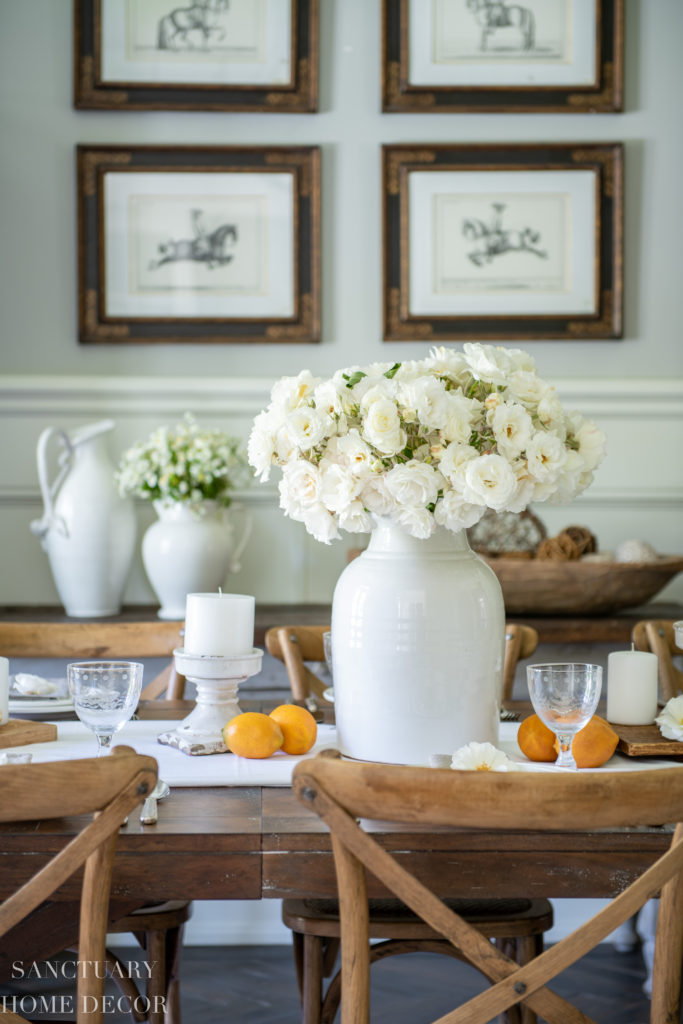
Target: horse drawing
[498,240]
[183,27]
[205,247]
[497,14]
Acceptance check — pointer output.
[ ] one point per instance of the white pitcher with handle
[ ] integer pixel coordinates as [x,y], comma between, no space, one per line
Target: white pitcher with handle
[87,529]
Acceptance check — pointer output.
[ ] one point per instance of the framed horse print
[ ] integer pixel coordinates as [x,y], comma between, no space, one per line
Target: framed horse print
[461,56]
[503,241]
[198,244]
[255,55]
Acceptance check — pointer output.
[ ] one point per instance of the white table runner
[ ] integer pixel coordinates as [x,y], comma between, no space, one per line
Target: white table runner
[74,741]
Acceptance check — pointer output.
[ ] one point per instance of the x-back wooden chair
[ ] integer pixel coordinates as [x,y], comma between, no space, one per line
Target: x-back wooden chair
[157,928]
[657,636]
[516,925]
[110,788]
[341,792]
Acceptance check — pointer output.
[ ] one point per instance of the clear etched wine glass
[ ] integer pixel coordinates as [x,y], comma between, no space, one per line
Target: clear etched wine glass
[105,695]
[565,696]
[327,648]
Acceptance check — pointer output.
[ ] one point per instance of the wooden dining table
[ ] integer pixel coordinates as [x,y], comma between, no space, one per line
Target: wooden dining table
[259,842]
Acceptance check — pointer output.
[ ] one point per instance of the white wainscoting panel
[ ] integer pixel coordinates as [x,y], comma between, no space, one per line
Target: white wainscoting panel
[638,490]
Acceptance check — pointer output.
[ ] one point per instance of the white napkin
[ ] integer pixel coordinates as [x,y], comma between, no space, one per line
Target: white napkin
[32,686]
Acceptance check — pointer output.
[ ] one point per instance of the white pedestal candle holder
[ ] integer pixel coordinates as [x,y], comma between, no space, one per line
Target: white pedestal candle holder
[217,680]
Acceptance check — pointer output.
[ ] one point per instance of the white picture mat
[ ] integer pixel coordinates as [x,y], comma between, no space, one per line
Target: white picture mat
[255,50]
[514,283]
[444,39]
[143,211]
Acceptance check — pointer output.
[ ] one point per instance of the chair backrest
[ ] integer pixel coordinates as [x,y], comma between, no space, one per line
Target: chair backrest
[657,636]
[342,792]
[108,788]
[101,640]
[295,645]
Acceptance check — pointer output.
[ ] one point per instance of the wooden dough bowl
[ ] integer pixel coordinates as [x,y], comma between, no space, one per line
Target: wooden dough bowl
[538,587]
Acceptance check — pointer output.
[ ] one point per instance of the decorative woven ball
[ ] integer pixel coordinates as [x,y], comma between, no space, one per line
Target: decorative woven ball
[635,551]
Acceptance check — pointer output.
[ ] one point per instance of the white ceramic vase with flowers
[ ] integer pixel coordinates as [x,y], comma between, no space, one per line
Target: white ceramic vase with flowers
[200,533]
[414,453]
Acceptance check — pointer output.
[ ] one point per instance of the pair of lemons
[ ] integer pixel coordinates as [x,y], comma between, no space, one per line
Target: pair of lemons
[289,728]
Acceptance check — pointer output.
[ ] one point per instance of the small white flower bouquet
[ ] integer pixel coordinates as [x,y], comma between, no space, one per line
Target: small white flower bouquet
[430,442]
[186,464]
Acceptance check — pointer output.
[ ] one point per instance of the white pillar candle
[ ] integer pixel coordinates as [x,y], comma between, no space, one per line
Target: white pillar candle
[4,690]
[219,624]
[631,687]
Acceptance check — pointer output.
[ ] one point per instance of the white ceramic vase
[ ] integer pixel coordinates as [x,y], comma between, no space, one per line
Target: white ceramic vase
[418,635]
[87,529]
[190,550]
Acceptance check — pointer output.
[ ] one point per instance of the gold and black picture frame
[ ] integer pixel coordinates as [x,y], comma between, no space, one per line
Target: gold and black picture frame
[504,241]
[198,244]
[521,56]
[224,55]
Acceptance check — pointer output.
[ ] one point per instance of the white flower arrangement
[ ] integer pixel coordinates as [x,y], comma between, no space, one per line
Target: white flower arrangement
[482,757]
[430,442]
[186,465]
[670,719]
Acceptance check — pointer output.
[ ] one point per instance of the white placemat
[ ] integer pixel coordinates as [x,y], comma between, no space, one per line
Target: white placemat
[74,741]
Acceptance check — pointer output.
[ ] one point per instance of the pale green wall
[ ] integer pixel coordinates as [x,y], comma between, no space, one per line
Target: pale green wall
[39,129]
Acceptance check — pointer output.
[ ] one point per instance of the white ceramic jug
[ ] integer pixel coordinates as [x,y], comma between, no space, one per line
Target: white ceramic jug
[87,529]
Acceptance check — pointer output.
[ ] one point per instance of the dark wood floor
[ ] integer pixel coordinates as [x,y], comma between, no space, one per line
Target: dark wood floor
[257,985]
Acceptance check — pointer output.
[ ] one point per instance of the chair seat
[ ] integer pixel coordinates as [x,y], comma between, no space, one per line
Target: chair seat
[390,918]
[156,916]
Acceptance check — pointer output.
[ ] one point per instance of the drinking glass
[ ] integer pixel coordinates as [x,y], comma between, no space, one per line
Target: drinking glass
[105,695]
[565,696]
[327,648]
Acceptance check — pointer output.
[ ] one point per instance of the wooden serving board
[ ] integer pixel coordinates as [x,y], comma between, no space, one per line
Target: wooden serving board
[645,741]
[16,732]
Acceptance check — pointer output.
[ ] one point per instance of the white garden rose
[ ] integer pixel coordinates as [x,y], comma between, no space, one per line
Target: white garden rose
[376,497]
[338,486]
[489,480]
[306,427]
[546,456]
[512,426]
[481,757]
[414,484]
[427,442]
[382,426]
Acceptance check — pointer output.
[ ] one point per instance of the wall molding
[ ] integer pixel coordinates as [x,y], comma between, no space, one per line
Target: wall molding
[27,395]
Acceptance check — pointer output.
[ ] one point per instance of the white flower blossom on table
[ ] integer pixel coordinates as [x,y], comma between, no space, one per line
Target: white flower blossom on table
[670,719]
[482,757]
[186,464]
[426,443]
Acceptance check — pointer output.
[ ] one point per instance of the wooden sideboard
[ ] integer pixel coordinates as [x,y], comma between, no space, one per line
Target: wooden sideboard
[611,629]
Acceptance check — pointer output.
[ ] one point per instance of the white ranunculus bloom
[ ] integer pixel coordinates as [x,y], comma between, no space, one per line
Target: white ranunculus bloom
[546,456]
[327,400]
[670,719]
[355,519]
[382,425]
[551,414]
[481,757]
[286,448]
[512,426]
[306,427]
[320,523]
[375,496]
[414,484]
[489,480]
[355,453]
[488,363]
[289,392]
[591,444]
[567,483]
[299,487]
[455,514]
[453,462]
[338,487]
[449,362]
[460,414]
[427,397]
[419,522]
[527,387]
